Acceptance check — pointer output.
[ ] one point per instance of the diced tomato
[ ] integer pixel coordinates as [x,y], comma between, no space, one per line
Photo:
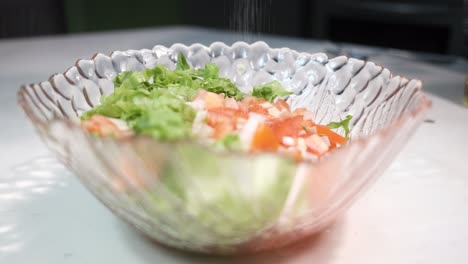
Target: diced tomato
[224,112]
[222,129]
[281,127]
[316,145]
[300,111]
[251,104]
[308,123]
[201,94]
[335,139]
[221,120]
[281,104]
[256,108]
[213,100]
[231,103]
[264,139]
[224,120]
[243,106]
[287,127]
[308,127]
[248,100]
[102,125]
[252,100]
[214,118]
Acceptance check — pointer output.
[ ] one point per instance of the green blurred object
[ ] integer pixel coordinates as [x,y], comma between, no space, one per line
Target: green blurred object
[88,15]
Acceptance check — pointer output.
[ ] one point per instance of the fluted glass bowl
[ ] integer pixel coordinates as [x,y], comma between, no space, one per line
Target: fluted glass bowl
[186,195]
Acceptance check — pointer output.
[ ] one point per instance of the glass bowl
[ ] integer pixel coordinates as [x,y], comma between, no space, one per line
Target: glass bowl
[187,196]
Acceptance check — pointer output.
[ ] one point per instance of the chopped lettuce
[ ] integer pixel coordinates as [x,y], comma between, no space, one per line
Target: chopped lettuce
[224,86]
[343,124]
[153,102]
[158,112]
[270,91]
[229,142]
[221,199]
[182,63]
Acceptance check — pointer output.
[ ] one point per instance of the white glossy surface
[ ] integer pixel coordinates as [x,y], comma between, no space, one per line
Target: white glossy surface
[416,213]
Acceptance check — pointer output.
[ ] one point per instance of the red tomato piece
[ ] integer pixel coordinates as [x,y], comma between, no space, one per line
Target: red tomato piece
[231,103]
[201,94]
[224,120]
[102,125]
[316,145]
[258,109]
[213,100]
[227,113]
[264,139]
[332,136]
[252,100]
[287,127]
[222,129]
[308,123]
[281,104]
[309,127]
[300,111]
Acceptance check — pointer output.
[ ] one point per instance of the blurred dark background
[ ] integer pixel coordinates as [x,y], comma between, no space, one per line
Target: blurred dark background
[425,25]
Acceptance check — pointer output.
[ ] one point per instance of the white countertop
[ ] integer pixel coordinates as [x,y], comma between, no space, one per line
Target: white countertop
[416,213]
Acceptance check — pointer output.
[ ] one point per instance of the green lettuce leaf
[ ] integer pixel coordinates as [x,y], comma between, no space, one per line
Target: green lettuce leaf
[182,63]
[224,86]
[152,102]
[343,123]
[229,142]
[157,112]
[270,91]
[214,193]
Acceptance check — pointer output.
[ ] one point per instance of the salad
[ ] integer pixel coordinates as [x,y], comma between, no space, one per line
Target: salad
[234,197]
[198,104]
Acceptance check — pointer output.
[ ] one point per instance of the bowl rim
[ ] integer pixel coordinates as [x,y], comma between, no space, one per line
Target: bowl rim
[405,117]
